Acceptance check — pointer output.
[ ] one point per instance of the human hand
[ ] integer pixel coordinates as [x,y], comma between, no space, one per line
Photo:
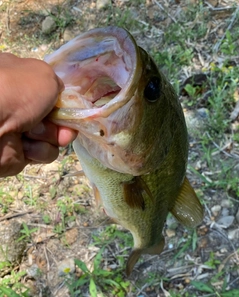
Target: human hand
[29,91]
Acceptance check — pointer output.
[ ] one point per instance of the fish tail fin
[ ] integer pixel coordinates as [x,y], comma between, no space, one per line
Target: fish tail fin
[187,208]
[132,260]
[136,253]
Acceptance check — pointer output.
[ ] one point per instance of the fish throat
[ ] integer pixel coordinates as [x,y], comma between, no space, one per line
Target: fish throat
[99,74]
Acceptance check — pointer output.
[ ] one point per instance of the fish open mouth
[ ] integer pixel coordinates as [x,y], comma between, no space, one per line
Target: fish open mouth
[99,70]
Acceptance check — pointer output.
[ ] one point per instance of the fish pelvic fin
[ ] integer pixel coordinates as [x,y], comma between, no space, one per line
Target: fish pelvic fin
[134,191]
[136,253]
[187,208]
[97,196]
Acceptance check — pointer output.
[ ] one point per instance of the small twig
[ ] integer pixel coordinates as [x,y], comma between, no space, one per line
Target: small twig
[230,284]
[140,290]
[217,229]
[8,18]
[161,7]
[47,259]
[52,255]
[77,9]
[14,215]
[221,266]
[219,8]
[217,45]
[34,176]
[41,225]
[221,149]
[60,286]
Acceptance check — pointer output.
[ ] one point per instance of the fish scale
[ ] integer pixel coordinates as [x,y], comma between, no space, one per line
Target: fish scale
[133,147]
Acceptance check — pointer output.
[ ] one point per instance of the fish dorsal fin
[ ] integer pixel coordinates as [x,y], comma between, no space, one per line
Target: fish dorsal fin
[187,208]
[133,192]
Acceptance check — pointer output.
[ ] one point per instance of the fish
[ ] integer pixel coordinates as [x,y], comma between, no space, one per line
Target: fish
[132,138]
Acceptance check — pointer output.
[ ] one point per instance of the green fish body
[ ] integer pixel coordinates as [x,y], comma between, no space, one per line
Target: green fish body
[132,142]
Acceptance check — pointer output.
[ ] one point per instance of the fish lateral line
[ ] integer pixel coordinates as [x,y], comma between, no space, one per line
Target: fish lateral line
[187,208]
[133,192]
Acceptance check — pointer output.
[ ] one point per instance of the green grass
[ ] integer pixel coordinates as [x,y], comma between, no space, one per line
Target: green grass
[181,44]
[98,281]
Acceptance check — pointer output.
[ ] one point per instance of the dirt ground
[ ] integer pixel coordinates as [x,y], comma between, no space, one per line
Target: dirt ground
[63,208]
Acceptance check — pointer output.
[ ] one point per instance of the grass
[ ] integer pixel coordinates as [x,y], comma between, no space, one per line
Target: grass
[98,281]
[177,56]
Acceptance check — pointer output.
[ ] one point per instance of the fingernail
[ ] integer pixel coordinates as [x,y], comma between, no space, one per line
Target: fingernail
[38,129]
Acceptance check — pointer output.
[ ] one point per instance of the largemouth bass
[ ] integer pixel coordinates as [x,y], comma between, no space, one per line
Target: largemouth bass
[132,142]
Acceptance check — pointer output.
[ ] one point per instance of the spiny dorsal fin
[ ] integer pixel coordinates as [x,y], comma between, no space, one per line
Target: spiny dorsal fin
[133,192]
[187,208]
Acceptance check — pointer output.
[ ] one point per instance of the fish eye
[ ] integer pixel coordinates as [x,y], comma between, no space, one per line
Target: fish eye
[152,89]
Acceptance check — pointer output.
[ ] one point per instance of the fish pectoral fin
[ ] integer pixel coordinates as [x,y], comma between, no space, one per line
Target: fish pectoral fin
[187,208]
[97,196]
[136,253]
[133,192]
[77,173]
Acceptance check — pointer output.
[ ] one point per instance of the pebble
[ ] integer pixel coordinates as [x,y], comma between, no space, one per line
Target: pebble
[48,25]
[11,249]
[71,235]
[68,35]
[170,245]
[33,271]
[170,232]
[226,203]
[216,209]
[225,212]
[66,267]
[196,121]
[233,234]
[101,4]
[226,221]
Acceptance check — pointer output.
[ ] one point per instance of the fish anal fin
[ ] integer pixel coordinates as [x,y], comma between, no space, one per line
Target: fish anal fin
[136,253]
[187,208]
[133,192]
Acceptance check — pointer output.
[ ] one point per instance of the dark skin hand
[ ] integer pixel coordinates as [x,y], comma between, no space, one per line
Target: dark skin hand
[29,91]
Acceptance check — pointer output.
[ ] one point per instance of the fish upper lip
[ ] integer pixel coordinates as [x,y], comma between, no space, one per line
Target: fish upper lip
[97,65]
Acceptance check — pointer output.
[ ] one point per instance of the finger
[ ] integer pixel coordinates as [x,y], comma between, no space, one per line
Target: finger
[12,160]
[39,151]
[48,132]
[44,131]
[60,83]
[66,136]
